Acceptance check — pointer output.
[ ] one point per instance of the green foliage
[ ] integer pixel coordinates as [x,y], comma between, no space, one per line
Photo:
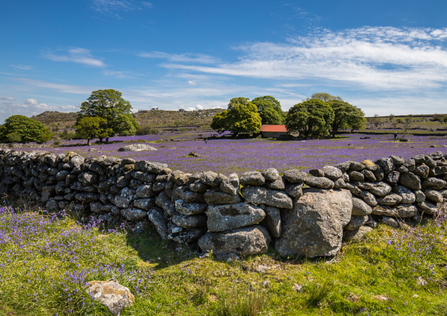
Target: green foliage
[312,118]
[22,129]
[346,116]
[109,105]
[147,130]
[324,96]
[270,110]
[90,127]
[65,135]
[241,117]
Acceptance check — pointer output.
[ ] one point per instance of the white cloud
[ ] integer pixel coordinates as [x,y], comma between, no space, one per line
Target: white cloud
[199,107]
[23,67]
[65,88]
[182,58]
[375,58]
[193,83]
[77,55]
[71,108]
[117,74]
[109,7]
[7,98]
[33,103]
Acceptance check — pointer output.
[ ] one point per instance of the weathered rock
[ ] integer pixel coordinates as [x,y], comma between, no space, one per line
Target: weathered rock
[319,182]
[434,183]
[376,188]
[332,173]
[156,217]
[252,178]
[397,161]
[356,176]
[422,171]
[410,164]
[355,190]
[137,147]
[406,210]
[231,216]
[343,166]
[180,178]
[437,171]
[390,222]
[243,241]
[360,208]
[314,227]
[271,174]
[393,177]
[420,196]
[261,195]
[386,164]
[216,197]
[295,176]
[165,203]
[124,199]
[428,208]
[189,196]
[145,191]
[372,222]
[144,204]
[316,172]
[187,236]
[356,222]
[379,173]
[339,184]
[193,221]
[198,186]
[390,199]
[357,234]
[356,166]
[369,165]
[295,190]
[210,178]
[190,208]
[383,211]
[278,184]
[231,184]
[434,196]
[133,214]
[408,197]
[410,180]
[111,294]
[272,220]
[369,175]
[144,176]
[86,197]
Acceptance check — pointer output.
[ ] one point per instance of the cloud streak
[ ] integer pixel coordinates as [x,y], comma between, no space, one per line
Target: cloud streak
[77,55]
[182,58]
[373,58]
[109,7]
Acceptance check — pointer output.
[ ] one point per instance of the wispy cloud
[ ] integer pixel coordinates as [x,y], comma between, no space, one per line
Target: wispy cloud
[77,55]
[182,58]
[117,74]
[7,98]
[375,58]
[110,7]
[64,88]
[23,67]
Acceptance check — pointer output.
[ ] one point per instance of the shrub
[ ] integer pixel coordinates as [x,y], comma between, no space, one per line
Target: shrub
[147,130]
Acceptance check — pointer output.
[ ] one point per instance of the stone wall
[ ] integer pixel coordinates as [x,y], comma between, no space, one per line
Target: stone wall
[299,213]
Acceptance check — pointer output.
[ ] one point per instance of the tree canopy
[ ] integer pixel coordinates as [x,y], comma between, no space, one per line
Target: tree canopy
[270,110]
[241,117]
[90,127]
[22,129]
[346,116]
[312,118]
[324,96]
[110,106]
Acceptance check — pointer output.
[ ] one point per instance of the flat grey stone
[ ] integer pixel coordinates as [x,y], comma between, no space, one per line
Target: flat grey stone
[252,178]
[232,216]
[216,197]
[261,195]
[360,208]
[319,182]
[190,208]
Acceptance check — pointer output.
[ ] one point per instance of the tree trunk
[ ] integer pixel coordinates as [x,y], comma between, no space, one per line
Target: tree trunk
[88,141]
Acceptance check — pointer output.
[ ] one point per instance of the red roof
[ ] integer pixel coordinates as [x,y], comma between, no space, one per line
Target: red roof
[273,128]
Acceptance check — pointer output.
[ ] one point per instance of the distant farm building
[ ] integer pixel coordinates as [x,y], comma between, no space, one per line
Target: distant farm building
[274,131]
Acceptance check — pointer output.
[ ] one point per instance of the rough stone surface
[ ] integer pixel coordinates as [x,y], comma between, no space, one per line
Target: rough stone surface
[261,195]
[133,214]
[190,208]
[434,183]
[231,184]
[357,234]
[243,241]
[295,190]
[356,222]
[216,197]
[156,217]
[314,227]
[360,208]
[408,197]
[137,147]
[332,173]
[252,178]
[377,188]
[428,208]
[295,176]
[319,182]
[434,196]
[231,216]
[193,221]
[390,199]
[272,220]
[111,294]
[271,174]
[410,180]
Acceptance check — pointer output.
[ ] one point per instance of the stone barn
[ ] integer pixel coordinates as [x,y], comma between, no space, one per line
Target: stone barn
[274,131]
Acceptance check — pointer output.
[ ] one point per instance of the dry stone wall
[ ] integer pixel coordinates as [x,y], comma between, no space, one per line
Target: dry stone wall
[299,213]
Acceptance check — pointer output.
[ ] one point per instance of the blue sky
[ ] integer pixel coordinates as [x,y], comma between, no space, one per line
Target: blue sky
[383,56]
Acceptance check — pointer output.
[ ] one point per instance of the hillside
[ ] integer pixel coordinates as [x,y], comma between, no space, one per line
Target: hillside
[160,119]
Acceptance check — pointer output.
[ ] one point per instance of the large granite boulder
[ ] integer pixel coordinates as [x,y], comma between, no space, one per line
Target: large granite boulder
[243,241]
[137,147]
[314,227]
[231,216]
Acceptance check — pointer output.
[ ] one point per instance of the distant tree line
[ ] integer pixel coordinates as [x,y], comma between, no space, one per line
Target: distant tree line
[318,116]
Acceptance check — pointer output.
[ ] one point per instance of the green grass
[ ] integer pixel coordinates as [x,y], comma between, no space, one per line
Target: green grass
[43,265]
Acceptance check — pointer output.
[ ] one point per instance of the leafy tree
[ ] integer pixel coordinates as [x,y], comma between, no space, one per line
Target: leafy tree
[241,117]
[22,129]
[270,110]
[391,117]
[324,96]
[407,124]
[444,119]
[375,120]
[109,105]
[312,118]
[90,127]
[346,116]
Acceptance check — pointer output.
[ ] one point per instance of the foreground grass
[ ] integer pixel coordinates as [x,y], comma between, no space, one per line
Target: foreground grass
[45,260]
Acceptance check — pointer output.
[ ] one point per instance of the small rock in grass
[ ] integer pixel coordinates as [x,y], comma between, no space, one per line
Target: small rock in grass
[111,294]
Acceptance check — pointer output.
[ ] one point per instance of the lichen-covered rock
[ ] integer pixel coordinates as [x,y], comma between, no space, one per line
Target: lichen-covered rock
[314,227]
[383,211]
[360,208]
[137,147]
[156,217]
[393,177]
[295,176]
[356,222]
[272,220]
[231,184]
[189,196]
[210,178]
[243,241]
[111,294]
[261,195]
[271,174]
[408,197]
[332,173]
[428,208]
[295,190]
[410,180]
[217,197]
[231,216]
[190,208]
[390,199]
[434,183]
[377,188]
[193,221]
[252,178]
[356,176]
[357,234]
[434,196]
[319,182]
[278,184]
[133,214]
[145,191]
[144,204]
[124,199]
